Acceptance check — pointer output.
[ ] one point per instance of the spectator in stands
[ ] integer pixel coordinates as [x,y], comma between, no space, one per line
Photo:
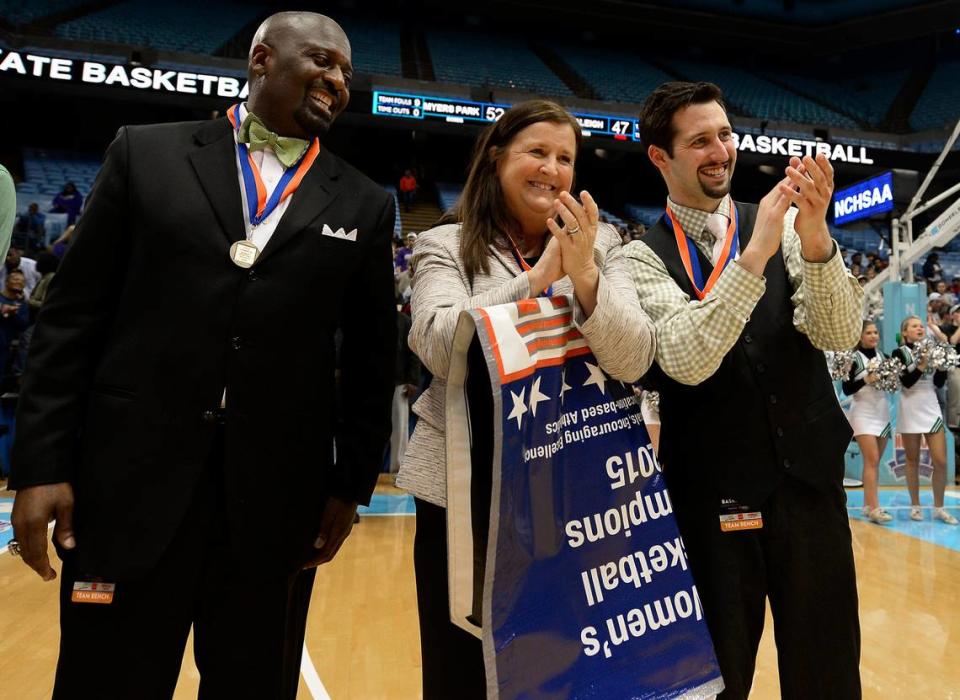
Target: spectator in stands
[403,279]
[124,409]
[402,257]
[744,388]
[407,189]
[856,260]
[869,416]
[31,228]
[47,264]
[59,246]
[68,202]
[932,270]
[937,311]
[500,244]
[946,296]
[15,260]
[870,272]
[8,209]
[14,318]
[919,416]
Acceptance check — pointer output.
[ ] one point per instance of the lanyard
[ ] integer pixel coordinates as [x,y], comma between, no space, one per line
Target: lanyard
[548,292]
[688,252]
[259,206]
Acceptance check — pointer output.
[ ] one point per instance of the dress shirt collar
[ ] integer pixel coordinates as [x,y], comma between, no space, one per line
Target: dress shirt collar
[694,221]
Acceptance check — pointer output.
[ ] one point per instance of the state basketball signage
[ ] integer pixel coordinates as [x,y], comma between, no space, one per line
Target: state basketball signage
[34,65]
[864,199]
[781,146]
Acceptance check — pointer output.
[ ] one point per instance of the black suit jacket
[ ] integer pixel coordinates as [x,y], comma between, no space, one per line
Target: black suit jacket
[148,320]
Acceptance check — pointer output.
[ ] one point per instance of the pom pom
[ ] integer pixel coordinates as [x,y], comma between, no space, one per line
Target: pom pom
[840,363]
[888,374]
[938,356]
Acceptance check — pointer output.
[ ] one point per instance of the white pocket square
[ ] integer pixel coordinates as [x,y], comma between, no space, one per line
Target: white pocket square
[340,233]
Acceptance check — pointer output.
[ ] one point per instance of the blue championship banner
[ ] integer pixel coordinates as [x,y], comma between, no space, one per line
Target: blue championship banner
[564,554]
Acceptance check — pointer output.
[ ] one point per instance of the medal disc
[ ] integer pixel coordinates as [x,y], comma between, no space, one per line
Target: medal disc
[244,254]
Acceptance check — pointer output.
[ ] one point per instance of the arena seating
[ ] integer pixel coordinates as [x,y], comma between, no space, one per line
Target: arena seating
[375,45]
[447,194]
[867,97]
[176,25]
[799,13]
[645,215]
[746,93]
[45,172]
[939,105]
[26,11]
[397,225]
[616,75]
[483,60]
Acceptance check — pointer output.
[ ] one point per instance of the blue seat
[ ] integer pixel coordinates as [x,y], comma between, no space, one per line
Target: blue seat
[939,104]
[489,60]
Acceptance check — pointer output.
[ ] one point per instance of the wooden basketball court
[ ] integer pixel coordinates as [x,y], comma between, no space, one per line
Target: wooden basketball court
[908,611]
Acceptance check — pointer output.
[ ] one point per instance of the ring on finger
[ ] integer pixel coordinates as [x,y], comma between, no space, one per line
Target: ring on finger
[14,548]
[572,231]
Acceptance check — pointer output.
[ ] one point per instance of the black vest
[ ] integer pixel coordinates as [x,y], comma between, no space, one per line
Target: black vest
[769,410]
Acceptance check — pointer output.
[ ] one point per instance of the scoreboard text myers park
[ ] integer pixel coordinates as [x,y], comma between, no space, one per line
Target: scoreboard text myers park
[393,104]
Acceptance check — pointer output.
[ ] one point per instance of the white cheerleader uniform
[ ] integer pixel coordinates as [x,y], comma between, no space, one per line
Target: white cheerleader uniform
[918,411]
[869,412]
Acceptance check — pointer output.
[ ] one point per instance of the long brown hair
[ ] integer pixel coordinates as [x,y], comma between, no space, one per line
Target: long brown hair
[481,210]
[863,329]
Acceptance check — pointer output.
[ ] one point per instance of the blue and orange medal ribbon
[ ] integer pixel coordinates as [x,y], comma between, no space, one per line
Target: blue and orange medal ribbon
[259,206]
[688,252]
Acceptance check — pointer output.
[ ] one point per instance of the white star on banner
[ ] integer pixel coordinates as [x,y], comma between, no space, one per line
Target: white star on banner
[596,377]
[564,388]
[536,397]
[519,407]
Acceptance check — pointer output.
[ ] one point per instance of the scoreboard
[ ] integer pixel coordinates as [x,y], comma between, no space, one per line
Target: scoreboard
[407,106]
[403,105]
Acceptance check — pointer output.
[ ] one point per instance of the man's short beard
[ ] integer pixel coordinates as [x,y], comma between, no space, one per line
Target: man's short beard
[716,192]
[310,122]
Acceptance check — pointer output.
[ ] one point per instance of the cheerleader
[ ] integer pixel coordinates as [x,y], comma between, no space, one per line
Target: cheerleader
[869,416]
[919,416]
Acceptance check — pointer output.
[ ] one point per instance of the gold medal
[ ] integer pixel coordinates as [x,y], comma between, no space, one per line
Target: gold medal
[244,254]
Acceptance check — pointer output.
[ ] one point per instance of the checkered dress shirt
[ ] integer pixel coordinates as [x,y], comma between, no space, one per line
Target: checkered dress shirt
[693,336]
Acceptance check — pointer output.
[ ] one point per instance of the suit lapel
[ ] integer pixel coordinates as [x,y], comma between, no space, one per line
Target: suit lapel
[319,187]
[215,163]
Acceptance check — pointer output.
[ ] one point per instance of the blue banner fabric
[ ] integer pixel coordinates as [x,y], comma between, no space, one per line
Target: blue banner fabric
[564,554]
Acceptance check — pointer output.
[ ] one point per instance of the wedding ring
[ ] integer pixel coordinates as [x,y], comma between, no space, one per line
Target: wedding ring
[572,231]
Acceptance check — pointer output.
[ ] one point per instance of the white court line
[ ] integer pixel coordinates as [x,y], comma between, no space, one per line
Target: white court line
[930,507]
[952,494]
[311,677]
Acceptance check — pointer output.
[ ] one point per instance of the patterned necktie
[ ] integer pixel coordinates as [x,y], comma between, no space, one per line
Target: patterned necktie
[257,136]
[716,229]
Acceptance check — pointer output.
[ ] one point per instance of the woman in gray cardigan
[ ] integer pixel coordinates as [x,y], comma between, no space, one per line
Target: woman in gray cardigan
[515,233]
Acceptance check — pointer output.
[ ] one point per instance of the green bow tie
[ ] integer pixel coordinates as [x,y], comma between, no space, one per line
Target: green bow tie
[257,136]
